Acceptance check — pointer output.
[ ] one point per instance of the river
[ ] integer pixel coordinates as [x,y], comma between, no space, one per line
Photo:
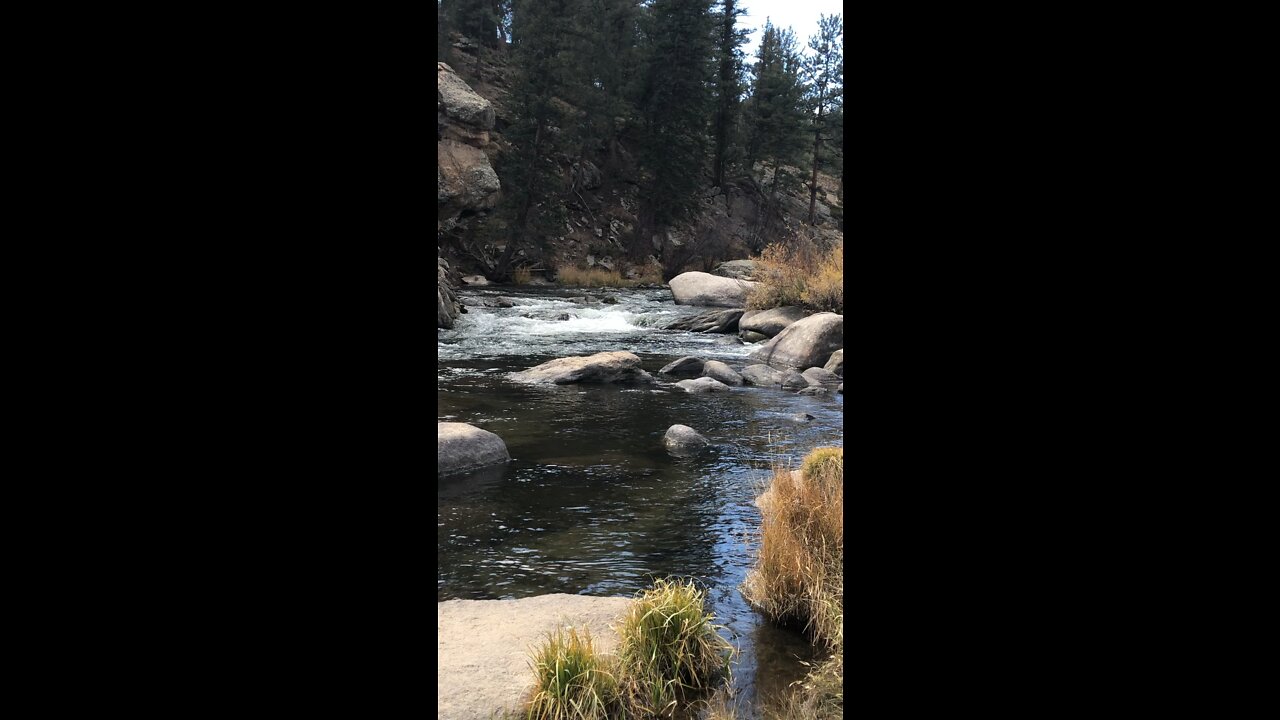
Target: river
[592,503]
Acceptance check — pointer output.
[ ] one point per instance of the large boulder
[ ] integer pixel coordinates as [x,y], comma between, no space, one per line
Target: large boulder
[605,367]
[805,343]
[461,447]
[702,385]
[683,440]
[771,322]
[685,367]
[459,103]
[836,363]
[699,288]
[711,321]
[720,371]
[737,269]
[465,179]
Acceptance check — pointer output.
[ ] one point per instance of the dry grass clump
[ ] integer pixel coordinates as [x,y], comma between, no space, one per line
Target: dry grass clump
[521,276]
[669,652]
[670,649]
[799,575]
[600,277]
[591,277]
[825,289]
[799,273]
[572,681]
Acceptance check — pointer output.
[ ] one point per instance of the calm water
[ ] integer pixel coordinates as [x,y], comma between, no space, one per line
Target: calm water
[592,503]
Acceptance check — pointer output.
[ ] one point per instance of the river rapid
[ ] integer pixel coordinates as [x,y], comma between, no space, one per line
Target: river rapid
[592,503]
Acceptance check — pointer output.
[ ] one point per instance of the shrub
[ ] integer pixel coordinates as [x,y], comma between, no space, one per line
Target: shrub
[599,277]
[799,273]
[521,276]
[669,647]
[571,681]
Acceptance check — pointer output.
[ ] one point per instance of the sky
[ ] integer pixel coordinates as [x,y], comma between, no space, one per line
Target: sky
[800,15]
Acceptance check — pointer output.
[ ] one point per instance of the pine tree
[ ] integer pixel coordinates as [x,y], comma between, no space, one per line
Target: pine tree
[674,105]
[824,72]
[532,181]
[728,87]
[775,117]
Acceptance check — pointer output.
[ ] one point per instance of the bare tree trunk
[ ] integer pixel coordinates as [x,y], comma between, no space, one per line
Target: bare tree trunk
[817,144]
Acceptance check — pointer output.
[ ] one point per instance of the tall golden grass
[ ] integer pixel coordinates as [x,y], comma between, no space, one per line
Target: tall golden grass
[799,273]
[599,277]
[799,574]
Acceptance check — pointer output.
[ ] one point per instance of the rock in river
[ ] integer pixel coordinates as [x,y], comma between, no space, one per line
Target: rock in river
[605,367]
[702,385]
[686,367]
[836,363]
[683,440]
[805,343]
[711,321]
[720,371]
[699,288]
[771,322]
[762,375]
[461,447]
[818,376]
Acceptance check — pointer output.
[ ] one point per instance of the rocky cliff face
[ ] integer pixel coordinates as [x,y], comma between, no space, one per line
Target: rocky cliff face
[465,181]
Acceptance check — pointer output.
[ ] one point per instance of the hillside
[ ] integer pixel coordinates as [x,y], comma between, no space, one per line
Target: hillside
[601,200]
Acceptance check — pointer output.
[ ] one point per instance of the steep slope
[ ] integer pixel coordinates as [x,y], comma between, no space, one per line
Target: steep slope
[737,220]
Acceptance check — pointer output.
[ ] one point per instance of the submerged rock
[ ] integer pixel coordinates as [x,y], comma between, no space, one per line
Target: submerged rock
[815,390]
[605,367]
[683,440]
[461,447]
[805,343]
[699,288]
[751,336]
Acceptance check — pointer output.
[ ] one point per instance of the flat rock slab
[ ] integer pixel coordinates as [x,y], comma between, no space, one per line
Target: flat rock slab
[483,647]
[605,367]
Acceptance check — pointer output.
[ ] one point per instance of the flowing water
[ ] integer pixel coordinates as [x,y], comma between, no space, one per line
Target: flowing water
[592,503]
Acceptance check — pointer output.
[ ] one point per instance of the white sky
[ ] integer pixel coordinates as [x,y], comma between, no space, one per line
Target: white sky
[800,15]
